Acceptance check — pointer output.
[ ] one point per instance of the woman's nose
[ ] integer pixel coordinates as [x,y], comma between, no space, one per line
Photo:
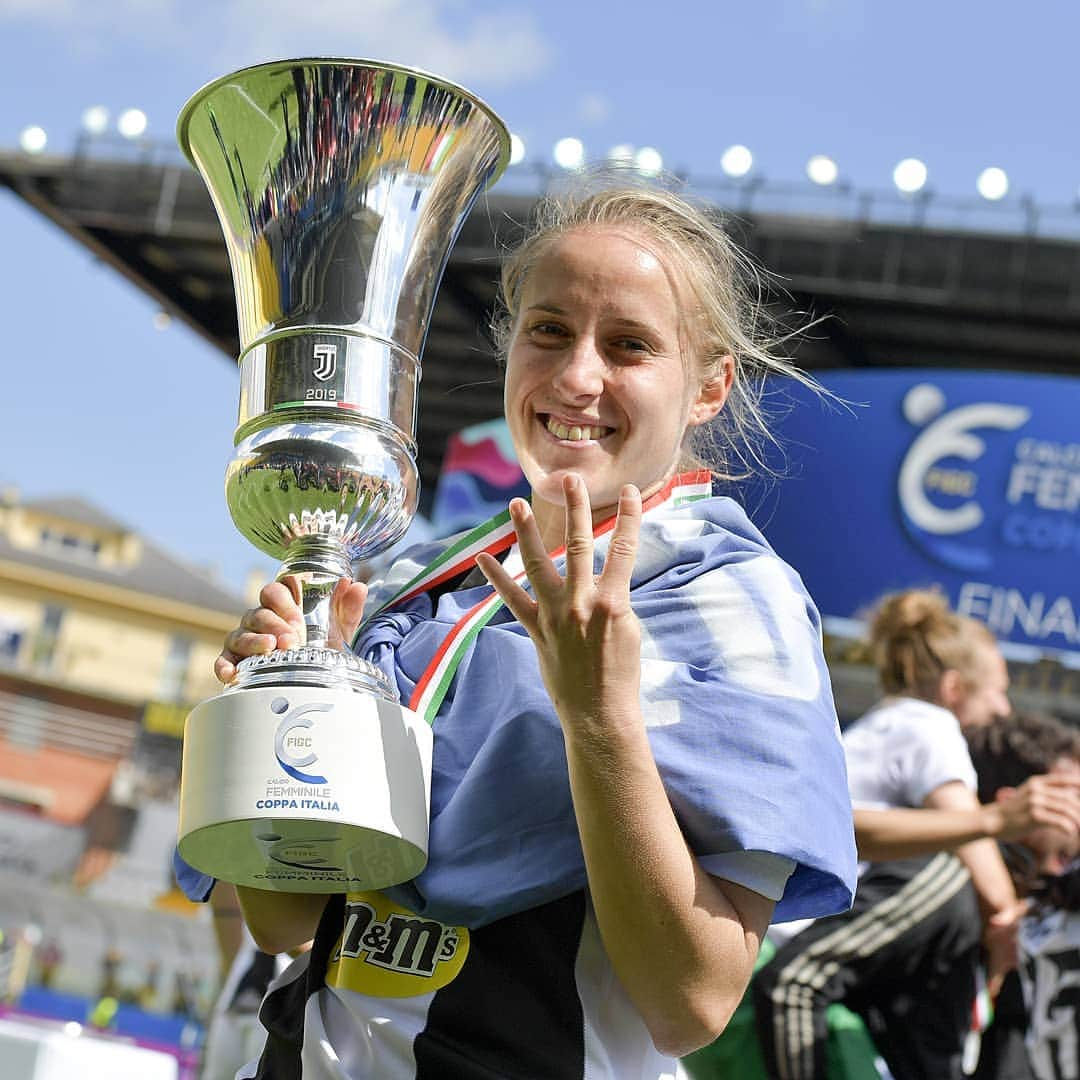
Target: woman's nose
[581,372]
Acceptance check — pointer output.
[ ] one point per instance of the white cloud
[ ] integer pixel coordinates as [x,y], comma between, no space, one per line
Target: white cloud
[497,48]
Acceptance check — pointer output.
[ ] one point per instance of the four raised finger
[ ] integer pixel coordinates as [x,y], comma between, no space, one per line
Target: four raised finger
[614,579]
[518,601]
[579,535]
[540,570]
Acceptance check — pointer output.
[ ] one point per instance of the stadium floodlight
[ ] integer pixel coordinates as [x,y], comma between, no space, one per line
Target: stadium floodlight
[621,154]
[736,161]
[910,176]
[517,149]
[33,139]
[569,153]
[822,170]
[131,123]
[95,120]
[993,183]
[648,161]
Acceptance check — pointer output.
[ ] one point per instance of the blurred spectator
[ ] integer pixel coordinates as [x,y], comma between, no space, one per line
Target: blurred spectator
[110,973]
[234,1034]
[1050,976]
[49,958]
[146,995]
[1035,1034]
[906,957]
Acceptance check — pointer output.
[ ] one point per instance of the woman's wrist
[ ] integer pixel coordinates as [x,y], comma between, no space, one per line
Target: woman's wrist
[610,727]
[991,821]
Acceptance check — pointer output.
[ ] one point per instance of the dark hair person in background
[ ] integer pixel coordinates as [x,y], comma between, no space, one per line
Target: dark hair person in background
[905,957]
[1035,1034]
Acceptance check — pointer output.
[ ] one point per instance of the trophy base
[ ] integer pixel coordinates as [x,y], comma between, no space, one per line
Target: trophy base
[302,788]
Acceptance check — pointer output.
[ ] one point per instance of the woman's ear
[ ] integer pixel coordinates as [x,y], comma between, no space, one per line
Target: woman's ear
[952,689]
[713,392]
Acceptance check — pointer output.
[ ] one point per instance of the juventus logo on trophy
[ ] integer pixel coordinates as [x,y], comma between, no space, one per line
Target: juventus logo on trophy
[340,186]
[325,361]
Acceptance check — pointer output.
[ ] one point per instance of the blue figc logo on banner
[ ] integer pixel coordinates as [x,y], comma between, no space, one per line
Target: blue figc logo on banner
[939,476]
[292,740]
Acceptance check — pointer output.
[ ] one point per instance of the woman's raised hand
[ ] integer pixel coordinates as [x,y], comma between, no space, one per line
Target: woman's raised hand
[278,623]
[1051,801]
[586,634]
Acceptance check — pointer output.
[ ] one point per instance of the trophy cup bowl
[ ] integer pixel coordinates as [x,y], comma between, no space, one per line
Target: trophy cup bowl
[340,186]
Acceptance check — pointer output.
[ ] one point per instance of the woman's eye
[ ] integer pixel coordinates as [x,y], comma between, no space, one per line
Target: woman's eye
[631,345]
[547,330]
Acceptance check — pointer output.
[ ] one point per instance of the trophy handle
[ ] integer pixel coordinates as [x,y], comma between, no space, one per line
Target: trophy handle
[318,563]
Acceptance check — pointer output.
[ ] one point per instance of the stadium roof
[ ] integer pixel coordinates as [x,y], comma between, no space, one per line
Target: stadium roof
[901,293]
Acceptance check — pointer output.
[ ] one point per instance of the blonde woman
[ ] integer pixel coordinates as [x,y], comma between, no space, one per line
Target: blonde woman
[905,958]
[636,758]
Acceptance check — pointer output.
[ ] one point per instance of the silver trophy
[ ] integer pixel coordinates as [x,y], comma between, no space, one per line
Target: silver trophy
[340,186]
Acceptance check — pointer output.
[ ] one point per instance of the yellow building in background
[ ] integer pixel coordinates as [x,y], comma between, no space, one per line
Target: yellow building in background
[106,641]
[88,604]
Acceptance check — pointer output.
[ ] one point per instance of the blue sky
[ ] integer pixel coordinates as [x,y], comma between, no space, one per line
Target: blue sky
[96,401]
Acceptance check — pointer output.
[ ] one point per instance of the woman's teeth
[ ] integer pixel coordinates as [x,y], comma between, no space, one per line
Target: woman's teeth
[574,432]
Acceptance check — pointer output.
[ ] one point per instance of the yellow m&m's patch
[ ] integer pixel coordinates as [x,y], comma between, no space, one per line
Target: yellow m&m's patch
[388,951]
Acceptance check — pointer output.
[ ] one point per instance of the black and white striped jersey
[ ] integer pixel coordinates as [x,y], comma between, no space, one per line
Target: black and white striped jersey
[386,995]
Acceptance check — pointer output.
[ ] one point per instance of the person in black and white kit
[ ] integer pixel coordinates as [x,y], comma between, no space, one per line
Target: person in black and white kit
[905,957]
[1035,1033]
[636,754]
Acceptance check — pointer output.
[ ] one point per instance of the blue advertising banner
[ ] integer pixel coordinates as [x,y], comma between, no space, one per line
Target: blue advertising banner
[966,481]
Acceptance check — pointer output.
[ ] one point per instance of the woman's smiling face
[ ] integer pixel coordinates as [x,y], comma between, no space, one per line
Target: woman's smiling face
[598,378]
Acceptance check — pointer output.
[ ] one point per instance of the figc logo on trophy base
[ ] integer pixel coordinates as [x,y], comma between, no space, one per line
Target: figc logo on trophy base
[340,186]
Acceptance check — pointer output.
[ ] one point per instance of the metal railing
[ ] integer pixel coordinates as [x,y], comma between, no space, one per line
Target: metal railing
[754,194]
[840,204]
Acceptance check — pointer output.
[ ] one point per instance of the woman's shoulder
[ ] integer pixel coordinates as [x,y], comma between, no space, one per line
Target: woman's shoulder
[904,718]
[715,529]
[712,511]
[712,544]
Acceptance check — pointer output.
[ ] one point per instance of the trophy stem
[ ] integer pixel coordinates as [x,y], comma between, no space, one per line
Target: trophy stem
[318,563]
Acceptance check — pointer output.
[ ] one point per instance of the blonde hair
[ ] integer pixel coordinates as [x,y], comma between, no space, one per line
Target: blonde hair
[916,638]
[724,281]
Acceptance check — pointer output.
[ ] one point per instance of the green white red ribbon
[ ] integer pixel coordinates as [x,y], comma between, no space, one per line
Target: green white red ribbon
[495,536]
